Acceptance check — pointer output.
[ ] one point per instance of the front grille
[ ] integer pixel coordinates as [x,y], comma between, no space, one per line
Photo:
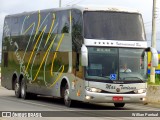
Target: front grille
[131,92]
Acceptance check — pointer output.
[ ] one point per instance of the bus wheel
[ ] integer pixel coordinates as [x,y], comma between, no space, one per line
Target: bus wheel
[24,94]
[67,100]
[119,104]
[17,88]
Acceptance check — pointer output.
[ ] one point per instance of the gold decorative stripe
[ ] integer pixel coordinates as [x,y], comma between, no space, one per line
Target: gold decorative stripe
[39,20]
[49,34]
[55,54]
[28,28]
[58,77]
[70,16]
[44,58]
[35,47]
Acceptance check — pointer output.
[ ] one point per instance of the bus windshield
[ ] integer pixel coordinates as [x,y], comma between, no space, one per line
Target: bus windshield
[113,26]
[116,64]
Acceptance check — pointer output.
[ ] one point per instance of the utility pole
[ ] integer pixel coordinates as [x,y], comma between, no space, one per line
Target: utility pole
[59,3]
[152,74]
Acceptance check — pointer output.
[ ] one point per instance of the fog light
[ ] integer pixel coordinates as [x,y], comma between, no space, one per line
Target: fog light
[88,97]
[144,99]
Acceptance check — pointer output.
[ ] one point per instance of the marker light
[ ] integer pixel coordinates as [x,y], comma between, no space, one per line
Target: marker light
[88,97]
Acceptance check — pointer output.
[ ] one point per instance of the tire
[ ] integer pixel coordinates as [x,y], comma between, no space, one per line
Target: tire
[119,104]
[67,101]
[17,87]
[24,93]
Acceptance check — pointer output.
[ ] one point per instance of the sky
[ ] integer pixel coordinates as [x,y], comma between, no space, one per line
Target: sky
[144,6]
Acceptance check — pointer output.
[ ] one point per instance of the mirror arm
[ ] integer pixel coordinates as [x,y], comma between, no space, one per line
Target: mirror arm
[154,52]
[84,55]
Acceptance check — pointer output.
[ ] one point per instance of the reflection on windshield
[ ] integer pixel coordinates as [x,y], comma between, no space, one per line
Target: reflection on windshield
[102,63]
[132,64]
[116,64]
[113,26]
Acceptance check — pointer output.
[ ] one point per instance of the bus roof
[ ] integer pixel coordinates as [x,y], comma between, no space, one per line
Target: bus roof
[83,8]
[103,8]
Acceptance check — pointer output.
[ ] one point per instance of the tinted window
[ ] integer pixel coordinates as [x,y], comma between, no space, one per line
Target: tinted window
[113,26]
[77,27]
[63,21]
[30,23]
[102,62]
[133,64]
[15,27]
[7,27]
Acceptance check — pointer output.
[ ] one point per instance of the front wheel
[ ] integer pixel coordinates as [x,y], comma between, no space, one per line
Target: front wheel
[119,104]
[67,100]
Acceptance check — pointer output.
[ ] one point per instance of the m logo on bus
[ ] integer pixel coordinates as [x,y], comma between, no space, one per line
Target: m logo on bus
[118,89]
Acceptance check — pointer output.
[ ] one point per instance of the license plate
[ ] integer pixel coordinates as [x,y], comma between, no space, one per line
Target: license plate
[117,98]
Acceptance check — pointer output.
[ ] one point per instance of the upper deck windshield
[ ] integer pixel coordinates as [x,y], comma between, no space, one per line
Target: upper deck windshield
[116,64]
[113,26]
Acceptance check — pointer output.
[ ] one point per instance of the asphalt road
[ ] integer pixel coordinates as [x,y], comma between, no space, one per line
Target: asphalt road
[8,102]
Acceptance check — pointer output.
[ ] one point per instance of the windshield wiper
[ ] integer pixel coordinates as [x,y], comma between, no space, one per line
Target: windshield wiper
[132,77]
[105,77]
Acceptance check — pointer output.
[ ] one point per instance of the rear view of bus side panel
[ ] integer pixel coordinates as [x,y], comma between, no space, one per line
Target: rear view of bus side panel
[12,49]
[7,55]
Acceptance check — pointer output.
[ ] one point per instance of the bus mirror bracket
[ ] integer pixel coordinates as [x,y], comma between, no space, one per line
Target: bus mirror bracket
[154,52]
[84,55]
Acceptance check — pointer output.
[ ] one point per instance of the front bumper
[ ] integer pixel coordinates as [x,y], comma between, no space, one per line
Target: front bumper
[108,98]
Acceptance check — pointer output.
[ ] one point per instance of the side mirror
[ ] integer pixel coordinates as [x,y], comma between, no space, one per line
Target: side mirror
[154,60]
[84,55]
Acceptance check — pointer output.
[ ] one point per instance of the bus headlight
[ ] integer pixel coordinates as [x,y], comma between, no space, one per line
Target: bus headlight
[93,89]
[140,91]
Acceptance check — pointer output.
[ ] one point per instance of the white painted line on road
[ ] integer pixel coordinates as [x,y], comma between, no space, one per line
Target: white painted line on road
[41,105]
[44,105]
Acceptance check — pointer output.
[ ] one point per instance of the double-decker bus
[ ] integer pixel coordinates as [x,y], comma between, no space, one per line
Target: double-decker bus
[76,53]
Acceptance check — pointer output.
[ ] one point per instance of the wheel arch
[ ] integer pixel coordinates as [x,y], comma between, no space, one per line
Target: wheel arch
[14,79]
[64,81]
[21,76]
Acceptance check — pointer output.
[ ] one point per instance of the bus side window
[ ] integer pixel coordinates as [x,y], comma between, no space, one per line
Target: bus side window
[63,21]
[77,27]
[15,31]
